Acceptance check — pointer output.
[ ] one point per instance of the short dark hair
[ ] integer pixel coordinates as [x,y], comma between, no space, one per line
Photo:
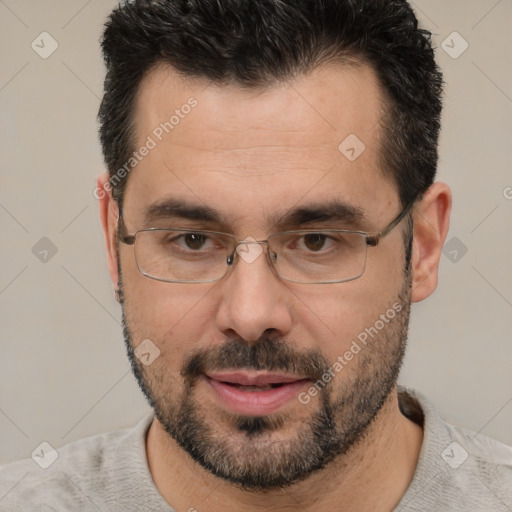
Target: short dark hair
[257,43]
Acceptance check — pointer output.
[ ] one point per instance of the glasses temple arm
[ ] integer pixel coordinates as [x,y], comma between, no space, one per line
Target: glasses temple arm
[121,234]
[373,240]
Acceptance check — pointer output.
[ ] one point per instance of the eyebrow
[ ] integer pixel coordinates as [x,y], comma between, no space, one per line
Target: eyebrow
[331,211]
[170,208]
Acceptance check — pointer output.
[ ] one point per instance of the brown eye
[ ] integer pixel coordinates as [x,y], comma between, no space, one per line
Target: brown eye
[315,241]
[194,240]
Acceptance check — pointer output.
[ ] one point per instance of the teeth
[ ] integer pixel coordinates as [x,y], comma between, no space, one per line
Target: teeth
[254,388]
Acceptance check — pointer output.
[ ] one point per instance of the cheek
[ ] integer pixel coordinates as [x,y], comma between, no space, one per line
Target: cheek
[330,318]
[172,316]
[334,315]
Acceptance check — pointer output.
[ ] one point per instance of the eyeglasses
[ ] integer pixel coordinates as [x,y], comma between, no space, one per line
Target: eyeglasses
[176,255]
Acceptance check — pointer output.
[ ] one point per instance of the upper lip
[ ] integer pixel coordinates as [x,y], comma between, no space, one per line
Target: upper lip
[253,378]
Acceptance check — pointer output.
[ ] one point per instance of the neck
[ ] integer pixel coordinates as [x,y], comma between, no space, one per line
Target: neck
[373,475]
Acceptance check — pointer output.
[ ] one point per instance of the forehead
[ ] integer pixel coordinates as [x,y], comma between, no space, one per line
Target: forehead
[249,152]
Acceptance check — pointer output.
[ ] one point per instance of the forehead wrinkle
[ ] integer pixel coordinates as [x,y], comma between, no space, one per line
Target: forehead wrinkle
[216,148]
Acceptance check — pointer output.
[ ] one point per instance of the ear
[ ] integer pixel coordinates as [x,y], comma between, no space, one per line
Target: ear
[109,215]
[431,224]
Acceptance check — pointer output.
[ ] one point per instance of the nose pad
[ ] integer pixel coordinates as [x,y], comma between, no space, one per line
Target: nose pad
[272,258]
[250,255]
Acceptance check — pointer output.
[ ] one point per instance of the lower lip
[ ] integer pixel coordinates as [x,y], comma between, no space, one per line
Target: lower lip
[256,403]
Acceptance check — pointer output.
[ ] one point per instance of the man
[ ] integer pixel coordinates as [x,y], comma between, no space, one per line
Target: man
[270,214]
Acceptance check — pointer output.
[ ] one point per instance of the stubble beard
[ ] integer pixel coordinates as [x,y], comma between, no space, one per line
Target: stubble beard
[252,451]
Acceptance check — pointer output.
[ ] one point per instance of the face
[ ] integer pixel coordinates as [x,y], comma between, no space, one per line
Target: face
[261,380]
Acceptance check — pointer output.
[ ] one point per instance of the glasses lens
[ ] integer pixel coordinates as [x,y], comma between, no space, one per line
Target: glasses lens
[319,257]
[182,256]
[201,256]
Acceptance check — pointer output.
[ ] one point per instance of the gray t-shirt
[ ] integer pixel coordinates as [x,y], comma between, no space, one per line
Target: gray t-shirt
[458,470]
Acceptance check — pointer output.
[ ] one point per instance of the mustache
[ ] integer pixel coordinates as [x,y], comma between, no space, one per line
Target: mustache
[267,353]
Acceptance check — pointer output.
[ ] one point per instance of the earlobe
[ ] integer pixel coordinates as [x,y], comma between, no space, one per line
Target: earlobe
[109,216]
[431,224]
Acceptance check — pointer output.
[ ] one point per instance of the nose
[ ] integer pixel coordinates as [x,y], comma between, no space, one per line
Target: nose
[253,299]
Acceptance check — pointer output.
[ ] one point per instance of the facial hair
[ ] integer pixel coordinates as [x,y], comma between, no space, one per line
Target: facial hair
[244,450]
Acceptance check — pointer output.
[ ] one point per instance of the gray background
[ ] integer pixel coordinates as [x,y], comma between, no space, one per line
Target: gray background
[63,371]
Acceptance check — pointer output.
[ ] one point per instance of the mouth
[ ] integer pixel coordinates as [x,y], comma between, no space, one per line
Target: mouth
[254,393]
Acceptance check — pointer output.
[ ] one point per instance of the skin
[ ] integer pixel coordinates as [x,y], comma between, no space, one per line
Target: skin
[247,153]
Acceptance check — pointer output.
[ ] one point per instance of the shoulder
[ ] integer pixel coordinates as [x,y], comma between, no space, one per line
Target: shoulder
[458,469]
[487,460]
[73,475]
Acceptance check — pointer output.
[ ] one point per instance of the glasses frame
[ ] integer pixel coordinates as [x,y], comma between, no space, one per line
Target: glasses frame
[372,239]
